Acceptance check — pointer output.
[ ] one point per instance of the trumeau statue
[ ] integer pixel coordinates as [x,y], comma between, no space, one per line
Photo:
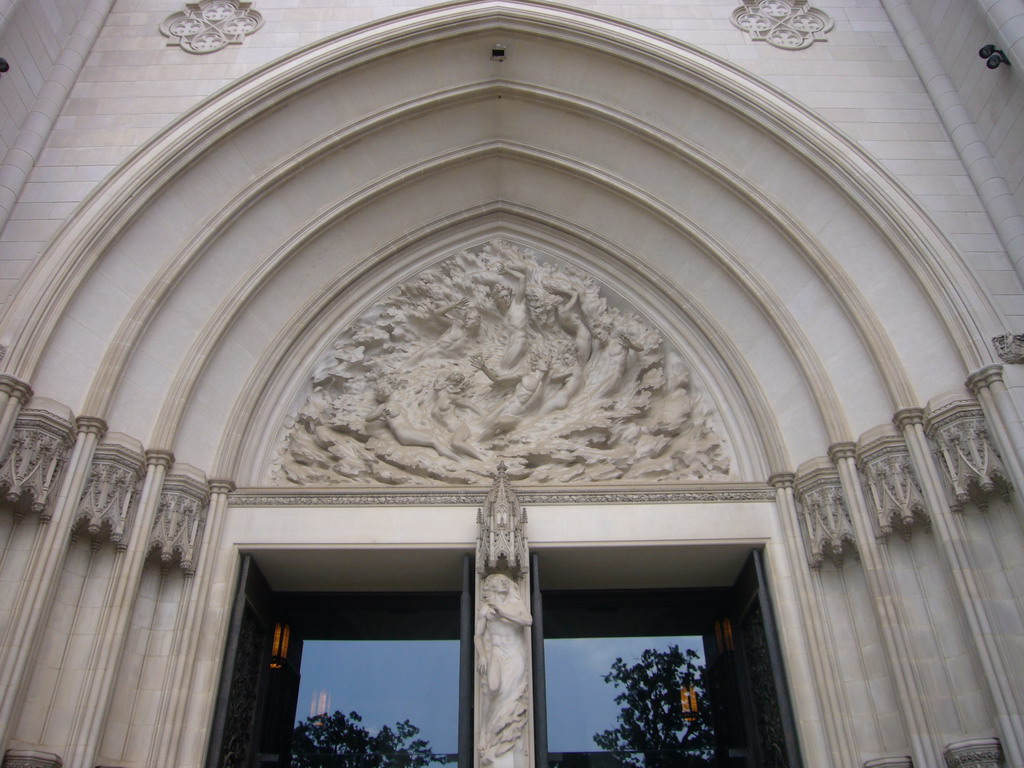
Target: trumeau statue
[499,353]
[501,636]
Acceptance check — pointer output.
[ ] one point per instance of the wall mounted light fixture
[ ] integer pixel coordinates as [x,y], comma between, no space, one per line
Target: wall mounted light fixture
[4,66]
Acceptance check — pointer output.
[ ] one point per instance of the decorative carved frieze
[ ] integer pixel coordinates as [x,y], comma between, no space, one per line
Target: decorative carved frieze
[971,465]
[500,353]
[180,520]
[502,523]
[890,483]
[35,460]
[110,497]
[1010,347]
[974,753]
[209,25]
[274,497]
[787,24]
[28,758]
[825,514]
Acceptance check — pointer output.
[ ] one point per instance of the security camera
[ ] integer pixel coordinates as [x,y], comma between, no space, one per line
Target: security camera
[993,56]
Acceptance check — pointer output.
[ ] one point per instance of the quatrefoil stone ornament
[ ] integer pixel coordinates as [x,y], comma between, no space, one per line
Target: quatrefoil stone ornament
[787,24]
[209,25]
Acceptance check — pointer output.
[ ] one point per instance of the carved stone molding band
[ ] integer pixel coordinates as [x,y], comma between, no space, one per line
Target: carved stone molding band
[787,24]
[110,498]
[899,761]
[970,462]
[974,753]
[890,483]
[180,520]
[826,516]
[209,25]
[35,460]
[500,353]
[25,758]
[1010,347]
[274,497]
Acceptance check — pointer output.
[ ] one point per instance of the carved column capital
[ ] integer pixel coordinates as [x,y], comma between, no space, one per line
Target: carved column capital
[890,483]
[974,753]
[972,467]
[908,417]
[781,480]
[91,425]
[158,457]
[222,486]
[35,461]
[984,378]
[15,388]
[825,513]
[180,520]
[843,450]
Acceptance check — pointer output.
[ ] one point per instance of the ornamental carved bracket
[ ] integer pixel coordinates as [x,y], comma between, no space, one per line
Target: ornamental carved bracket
[502,522]
[210,25]
[891,486]
[826,516]
[971,465]
[110,498]
[974,753]
[787,24]
[180,520]
[35,460]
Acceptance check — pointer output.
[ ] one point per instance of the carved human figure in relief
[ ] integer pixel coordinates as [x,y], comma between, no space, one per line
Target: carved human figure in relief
[449,405]
[406,434]
[501,646]
[528,393]
[461,322]
[517,318]
[570,319]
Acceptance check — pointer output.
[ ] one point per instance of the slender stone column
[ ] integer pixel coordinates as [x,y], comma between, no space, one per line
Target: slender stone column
[42,573]
[924,744]
[14,393]
[839,740]
[910,421]
[187,632]
[117,611]
[988,386]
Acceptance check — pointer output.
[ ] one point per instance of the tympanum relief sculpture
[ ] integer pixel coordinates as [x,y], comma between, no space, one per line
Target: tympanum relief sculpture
[499,353]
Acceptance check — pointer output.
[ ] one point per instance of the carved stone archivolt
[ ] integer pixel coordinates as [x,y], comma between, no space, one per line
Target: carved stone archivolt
[210,25]
[890,483]
[111,494]
[826,516]
[500,354]
[35,460]
[974,753]
[972,467]
[180,521]
[787,24]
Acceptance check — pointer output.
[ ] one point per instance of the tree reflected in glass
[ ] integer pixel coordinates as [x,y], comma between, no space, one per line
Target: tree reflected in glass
[339,741]
[654,729]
